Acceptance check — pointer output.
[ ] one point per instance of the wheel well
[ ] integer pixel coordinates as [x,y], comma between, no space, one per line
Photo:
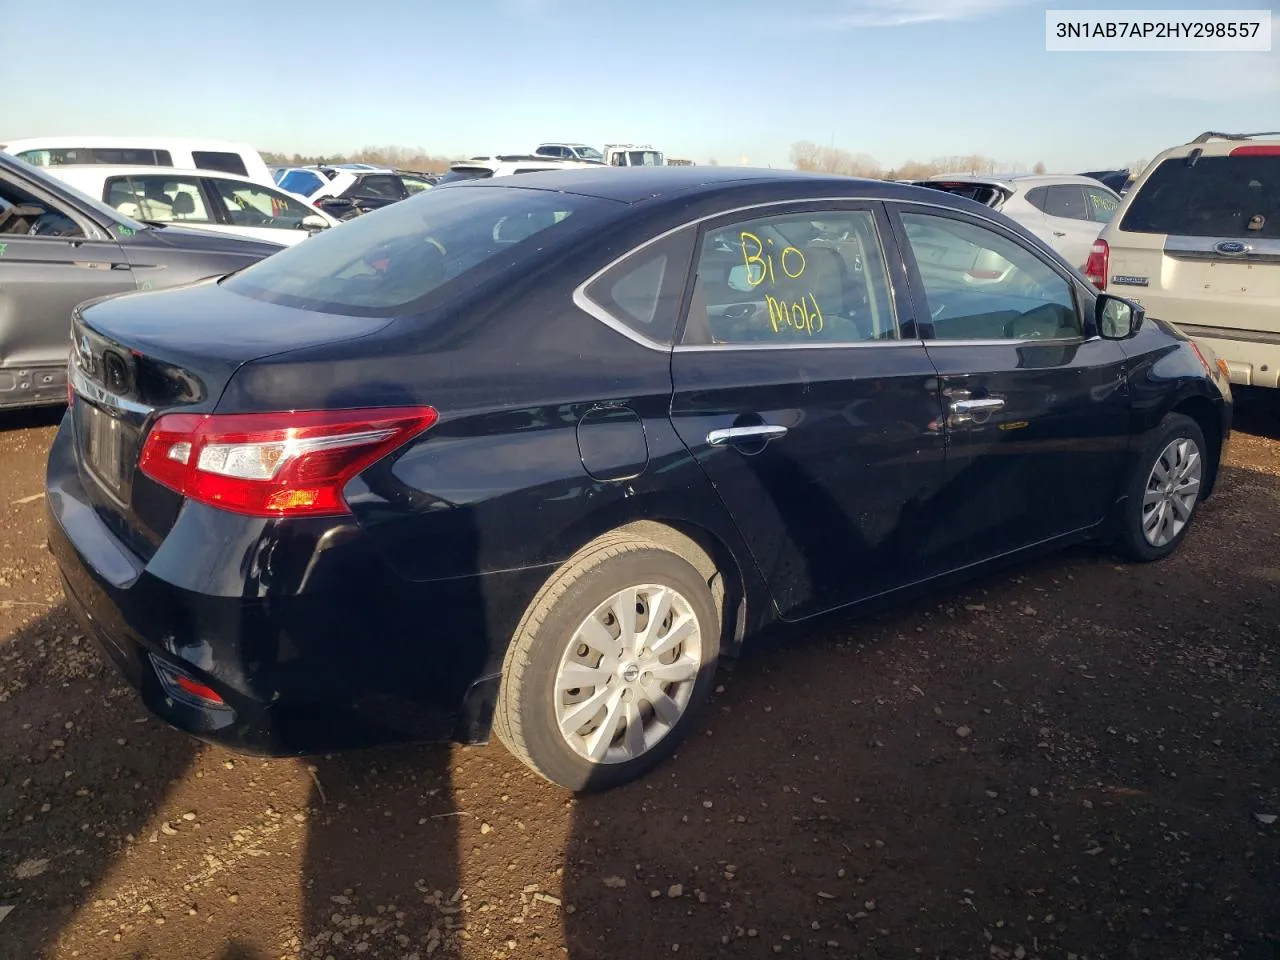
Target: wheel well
[1205,414]
[714,561]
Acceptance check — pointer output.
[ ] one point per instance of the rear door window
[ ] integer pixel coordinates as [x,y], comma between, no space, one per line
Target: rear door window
[249,205]
[1066,201]
[221,161]
[813,277]
[1235,196]
[411,255]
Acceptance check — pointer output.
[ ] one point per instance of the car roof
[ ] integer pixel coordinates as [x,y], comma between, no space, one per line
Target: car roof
[90,141]
[102,171]
[640,184]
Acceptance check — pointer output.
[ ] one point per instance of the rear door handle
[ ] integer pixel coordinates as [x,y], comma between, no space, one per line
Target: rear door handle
[983,405]
[763,431]
[1059,233]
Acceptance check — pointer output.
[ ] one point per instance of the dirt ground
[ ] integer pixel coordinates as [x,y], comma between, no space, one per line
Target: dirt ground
[1076,760]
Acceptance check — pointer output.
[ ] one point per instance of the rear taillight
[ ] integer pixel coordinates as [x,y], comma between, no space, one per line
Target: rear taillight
[275,464]
[1095,268]
[1257,150]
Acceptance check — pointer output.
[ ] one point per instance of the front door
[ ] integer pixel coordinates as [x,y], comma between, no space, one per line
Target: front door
[1036,405]
[801,388]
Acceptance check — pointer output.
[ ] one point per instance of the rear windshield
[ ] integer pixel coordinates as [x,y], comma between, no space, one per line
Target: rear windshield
[1217,197]
[464,173]
[983,193]
[388,262]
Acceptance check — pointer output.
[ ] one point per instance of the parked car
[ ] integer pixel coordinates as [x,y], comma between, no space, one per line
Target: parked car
[221,156]
[1065,212]
[58,248]
[535,452]
[1117,180]
[505,165]
[1197,242]
[348,190]
[569,151]
[632,155]
[219,203]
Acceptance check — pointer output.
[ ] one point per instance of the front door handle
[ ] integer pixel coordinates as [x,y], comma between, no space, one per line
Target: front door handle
[759,432]
[1059,233]
[983,405]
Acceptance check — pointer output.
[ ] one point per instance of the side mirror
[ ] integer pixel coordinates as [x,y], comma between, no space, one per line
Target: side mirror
[1117,318]
[313,223]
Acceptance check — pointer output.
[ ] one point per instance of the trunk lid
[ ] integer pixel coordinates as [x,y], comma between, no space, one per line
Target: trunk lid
[136,357]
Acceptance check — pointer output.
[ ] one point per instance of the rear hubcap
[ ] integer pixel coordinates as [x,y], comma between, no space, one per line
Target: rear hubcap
[628,673]
[1173,489]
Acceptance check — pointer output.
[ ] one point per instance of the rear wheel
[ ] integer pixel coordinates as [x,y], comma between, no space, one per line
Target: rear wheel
[1165,490]
[609,664]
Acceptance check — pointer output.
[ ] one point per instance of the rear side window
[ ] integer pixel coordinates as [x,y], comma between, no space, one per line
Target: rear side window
[383,186]
[1067,201]
[412,255]
[219,160]
[115,156]
[158,198]
[465,173]
[1234,196]
[1038,197]
[644,291]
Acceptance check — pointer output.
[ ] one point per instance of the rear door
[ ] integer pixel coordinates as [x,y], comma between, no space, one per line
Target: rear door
[1198,243]
[42,278]
[252,210]
[803,391]
[1036,405]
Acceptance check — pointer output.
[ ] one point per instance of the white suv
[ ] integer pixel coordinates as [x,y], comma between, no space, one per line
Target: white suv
[1066,212]
[1197,242]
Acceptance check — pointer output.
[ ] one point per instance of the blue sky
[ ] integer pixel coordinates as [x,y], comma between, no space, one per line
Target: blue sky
[896,79]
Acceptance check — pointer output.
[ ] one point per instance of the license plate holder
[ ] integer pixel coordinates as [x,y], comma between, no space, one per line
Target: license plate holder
[105,440]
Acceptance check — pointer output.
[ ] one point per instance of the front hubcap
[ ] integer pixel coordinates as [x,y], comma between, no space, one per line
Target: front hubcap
[628,673]
[1173,489]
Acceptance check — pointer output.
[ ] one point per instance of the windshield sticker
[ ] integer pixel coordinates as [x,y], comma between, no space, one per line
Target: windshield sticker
[126,231]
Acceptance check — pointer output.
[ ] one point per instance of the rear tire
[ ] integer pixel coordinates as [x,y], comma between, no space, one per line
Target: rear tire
[1165,491]
[591,697]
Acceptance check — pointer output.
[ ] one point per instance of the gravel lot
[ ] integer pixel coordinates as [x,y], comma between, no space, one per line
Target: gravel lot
[1077,760]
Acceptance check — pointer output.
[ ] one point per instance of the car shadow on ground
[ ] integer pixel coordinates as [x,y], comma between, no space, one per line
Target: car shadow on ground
[1065,758]
[33,418]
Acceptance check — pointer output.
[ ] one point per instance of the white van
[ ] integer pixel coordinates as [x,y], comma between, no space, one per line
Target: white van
[186,153]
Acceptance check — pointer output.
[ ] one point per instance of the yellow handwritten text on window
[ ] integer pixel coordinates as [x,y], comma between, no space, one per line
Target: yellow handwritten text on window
[786,317]
[762,263]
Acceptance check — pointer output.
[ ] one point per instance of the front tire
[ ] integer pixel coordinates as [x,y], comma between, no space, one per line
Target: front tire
[1165,490]
[609,664]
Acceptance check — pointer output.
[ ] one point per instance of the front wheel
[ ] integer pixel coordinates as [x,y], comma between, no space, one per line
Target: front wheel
[1165,490]
[609,664]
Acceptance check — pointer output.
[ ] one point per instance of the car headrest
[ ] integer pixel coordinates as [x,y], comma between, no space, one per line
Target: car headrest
[182,203]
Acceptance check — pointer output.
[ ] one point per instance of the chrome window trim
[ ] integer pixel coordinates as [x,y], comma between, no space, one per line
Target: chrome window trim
[589,306]
[847,345]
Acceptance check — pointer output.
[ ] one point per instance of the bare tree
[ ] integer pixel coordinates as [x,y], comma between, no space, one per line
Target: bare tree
[1039,167]
[807,155]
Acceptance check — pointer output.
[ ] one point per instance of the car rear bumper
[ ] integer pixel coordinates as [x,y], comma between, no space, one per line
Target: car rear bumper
[364,658]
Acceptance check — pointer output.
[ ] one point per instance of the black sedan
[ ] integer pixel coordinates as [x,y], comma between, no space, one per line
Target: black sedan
[58,248]
[531,454]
